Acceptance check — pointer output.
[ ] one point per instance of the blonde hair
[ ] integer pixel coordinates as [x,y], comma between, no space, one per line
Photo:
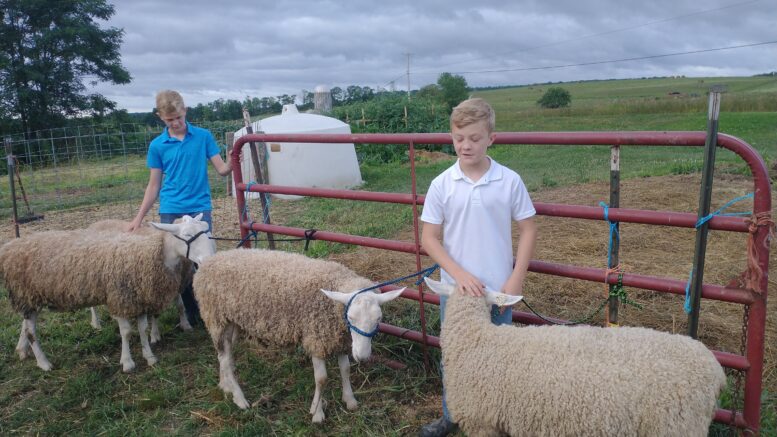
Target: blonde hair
[169,102]
[472,111]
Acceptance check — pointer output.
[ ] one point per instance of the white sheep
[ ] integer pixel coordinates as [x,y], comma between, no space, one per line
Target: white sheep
[564,381]
[274,297]
[113,225]
[129,273]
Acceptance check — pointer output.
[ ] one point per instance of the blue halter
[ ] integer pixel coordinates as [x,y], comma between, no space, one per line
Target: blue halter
[348,322]
[423,273]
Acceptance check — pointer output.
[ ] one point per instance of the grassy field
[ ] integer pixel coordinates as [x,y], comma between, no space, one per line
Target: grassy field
[87,394]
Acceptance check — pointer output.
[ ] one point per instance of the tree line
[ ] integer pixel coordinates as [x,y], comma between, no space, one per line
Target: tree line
[50,50]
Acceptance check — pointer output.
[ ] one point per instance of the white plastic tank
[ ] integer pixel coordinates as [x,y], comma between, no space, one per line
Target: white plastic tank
[319,165]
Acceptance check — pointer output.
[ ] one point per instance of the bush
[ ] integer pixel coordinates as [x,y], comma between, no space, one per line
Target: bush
[555,97]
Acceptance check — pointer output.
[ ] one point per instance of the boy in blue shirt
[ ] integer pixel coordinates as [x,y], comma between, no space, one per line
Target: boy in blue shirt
[471,206]
[178,163]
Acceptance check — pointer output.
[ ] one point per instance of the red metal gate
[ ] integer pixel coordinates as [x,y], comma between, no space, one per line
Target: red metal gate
[751,363]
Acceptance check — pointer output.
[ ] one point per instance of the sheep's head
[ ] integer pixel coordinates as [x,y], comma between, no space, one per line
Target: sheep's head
[193,236]
[362,317]
[492,297]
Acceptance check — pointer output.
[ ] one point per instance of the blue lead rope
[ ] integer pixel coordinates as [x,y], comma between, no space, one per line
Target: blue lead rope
[699,223]
[423,273]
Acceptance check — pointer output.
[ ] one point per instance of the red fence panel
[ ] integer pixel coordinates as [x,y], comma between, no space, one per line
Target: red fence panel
[751,363]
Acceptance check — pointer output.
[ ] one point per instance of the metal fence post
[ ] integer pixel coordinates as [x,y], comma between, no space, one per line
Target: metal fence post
[705,196]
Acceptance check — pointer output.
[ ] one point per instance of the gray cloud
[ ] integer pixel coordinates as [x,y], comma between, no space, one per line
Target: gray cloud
[232,49]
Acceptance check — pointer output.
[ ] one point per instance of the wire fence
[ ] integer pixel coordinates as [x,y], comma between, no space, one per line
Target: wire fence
[67,167]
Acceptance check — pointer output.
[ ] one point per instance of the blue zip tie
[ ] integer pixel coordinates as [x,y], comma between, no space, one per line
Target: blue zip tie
[613,231]
[699,223]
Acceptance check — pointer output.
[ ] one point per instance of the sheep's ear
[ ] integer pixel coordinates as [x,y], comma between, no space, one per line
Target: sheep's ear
[502,299]
[337,296]
[438,287]
[388,296]
[198,217]
[169,227]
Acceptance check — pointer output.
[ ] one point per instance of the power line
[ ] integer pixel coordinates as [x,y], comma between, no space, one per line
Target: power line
[581,64]
[606,32]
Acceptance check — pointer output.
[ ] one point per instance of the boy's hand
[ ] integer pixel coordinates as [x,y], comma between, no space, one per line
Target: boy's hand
[134,225]
[469,285]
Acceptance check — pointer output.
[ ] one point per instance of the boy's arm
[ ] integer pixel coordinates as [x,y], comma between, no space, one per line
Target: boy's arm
[223,168]
[152,192]
[526,243]
[466,282]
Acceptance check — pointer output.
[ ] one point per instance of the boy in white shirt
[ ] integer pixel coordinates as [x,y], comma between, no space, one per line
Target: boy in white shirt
[473,203]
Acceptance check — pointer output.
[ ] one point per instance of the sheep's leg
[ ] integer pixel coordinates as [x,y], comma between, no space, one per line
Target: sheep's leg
[95,321]
[345,377]
[126,359]
[145,346]
[23,346]
[319,373]
[183,320]
[40,357]
[155,337]
[227,381]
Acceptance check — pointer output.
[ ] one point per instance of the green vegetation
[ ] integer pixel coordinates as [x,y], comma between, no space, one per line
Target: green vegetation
[555,97]
[86,394]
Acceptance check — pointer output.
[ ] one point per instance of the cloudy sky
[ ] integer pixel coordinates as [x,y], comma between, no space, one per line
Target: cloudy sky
[236,48]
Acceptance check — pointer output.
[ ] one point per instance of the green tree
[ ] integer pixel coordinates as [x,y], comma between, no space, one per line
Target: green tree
[454,89]
[555,97]
[48,49]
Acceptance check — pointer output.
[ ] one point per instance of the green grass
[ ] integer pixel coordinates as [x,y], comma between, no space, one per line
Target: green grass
[87,394]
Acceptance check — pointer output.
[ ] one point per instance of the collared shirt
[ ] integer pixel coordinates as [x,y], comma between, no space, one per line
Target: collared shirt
[476,219]
[184,166]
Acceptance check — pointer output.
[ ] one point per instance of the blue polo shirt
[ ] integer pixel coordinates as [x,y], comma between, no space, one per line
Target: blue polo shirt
[184,166]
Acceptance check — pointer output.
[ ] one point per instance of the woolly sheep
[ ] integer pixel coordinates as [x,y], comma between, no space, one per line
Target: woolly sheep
[69,270]
[113,225]
[274,297]
[582,380]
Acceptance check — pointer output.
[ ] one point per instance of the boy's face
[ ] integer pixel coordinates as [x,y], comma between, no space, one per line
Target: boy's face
[471,143]
[175,122]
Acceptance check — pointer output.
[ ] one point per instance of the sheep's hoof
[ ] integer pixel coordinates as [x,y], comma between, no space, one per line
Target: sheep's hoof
[351,405]
[318,417]
[151,360]
[96,326]
[23,352]
[127,367]
[185,326]
[45,366]
[241,403]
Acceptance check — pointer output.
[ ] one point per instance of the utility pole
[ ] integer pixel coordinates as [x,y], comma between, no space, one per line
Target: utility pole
[408,76]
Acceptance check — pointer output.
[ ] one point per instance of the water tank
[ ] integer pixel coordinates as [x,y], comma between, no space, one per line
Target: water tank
[320,165]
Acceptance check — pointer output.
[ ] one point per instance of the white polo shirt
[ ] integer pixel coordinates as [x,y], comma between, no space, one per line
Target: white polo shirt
[476,219]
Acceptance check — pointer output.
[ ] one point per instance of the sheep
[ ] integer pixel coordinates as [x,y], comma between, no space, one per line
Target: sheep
[273,297]
[113,225]
[69,270]
[561,380]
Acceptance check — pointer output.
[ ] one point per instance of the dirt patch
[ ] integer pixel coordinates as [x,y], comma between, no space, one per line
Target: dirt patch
[646,250]
[431,157]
